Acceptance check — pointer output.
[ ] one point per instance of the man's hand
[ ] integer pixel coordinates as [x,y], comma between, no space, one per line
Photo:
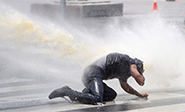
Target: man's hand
[145,94]
[125,86]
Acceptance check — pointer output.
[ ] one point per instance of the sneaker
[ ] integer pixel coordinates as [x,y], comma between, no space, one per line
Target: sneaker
[61,92]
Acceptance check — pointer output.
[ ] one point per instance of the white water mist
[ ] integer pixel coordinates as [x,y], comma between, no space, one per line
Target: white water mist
[40,48]
[159,44]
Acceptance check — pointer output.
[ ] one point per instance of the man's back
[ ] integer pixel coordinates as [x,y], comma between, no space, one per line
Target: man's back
[114,65]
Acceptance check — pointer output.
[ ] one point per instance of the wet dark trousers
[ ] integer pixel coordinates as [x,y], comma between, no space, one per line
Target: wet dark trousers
[96,91]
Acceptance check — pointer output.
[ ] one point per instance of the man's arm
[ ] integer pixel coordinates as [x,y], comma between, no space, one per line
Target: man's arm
[137,76]
[125,86]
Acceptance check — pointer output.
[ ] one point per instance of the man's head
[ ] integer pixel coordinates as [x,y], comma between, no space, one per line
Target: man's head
[139,65]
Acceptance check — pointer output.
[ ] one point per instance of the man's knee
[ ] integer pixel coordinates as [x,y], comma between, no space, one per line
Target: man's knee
[98,98]
[93,100]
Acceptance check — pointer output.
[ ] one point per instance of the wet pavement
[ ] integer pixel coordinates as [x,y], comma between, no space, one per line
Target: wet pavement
[31,96]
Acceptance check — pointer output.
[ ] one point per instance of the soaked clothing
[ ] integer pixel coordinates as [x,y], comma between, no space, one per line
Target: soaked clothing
[114,65]
[97,92]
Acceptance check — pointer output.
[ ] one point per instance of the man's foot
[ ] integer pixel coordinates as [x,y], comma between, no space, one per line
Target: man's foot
[61,92]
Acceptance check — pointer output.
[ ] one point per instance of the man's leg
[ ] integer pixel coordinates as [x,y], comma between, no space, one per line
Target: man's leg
[95,87]
[96,93]
[108,94]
